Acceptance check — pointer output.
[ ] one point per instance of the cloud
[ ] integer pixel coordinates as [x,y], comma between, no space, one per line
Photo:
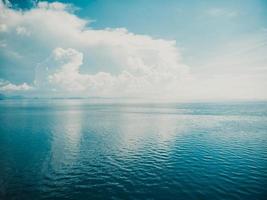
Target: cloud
[53,6]
[61,72]
[6,86]
[124,63]
[3,28]
[63,55]
[22,31]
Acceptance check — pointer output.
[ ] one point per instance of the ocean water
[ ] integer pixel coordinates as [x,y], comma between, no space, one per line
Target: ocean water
[76,149]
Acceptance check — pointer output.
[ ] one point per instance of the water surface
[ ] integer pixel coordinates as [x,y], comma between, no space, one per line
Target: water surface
[74,149]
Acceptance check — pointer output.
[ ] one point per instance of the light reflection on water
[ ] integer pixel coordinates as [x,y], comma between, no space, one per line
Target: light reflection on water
[65,141]
[73,149]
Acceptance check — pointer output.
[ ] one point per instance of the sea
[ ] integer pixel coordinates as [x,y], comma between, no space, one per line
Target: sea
[78,149]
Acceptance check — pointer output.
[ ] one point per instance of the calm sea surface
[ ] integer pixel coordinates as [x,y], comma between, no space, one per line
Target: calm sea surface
[74,149]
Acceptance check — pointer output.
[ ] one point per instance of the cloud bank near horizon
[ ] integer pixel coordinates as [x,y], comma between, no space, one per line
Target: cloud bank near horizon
[73,59]
[132,64]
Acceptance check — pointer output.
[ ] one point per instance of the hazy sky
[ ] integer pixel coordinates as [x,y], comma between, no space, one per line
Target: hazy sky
[179,50]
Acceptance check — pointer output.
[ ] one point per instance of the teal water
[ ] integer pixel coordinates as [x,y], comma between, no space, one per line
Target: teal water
[74,149]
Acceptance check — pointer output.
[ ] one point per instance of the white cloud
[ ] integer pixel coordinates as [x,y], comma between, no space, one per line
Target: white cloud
[75,59]
[22,31]
[6,86]
[61,72]
[129,64]
[52,6]
[3,27]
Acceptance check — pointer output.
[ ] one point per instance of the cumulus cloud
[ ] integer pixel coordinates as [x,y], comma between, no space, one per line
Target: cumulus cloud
[69,57]
[6,86]
[61,72]
[124,63]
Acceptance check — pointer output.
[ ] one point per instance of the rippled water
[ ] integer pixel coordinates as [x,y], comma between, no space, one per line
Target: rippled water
[74,149]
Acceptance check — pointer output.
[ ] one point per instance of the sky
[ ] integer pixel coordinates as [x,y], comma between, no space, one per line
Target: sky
[151,49]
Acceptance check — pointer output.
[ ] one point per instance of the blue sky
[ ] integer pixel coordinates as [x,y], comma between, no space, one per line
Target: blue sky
[193,24]
[221,42]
